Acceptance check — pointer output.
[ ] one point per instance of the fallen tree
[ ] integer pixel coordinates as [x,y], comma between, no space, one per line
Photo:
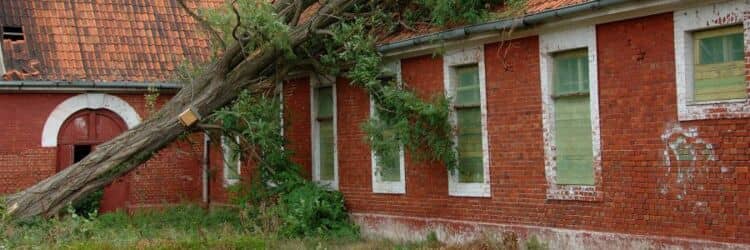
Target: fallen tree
[255,61]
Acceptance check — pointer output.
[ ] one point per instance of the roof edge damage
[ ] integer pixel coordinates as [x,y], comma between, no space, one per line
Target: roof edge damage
[499,25]
[86,86]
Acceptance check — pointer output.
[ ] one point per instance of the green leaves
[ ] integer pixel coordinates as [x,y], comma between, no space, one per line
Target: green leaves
[258,24]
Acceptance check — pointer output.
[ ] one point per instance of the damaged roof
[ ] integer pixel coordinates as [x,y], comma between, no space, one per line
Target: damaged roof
[127,40]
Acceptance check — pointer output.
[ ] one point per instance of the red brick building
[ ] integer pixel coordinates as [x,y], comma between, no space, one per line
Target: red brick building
[593,124]
[601,124]
[75,73]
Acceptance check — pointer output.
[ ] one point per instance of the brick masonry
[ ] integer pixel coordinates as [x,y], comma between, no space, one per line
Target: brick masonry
[172,176]
[646,190]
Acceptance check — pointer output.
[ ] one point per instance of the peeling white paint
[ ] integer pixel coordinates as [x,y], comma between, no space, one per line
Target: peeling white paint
[549,43]
[681,174]
[700,18]
[452,232]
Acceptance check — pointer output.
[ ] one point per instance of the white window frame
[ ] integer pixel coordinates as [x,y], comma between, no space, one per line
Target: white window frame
[378,185]
[318,81]
[226,150]
[451,60]
[697,19]
[2,62]
[560,41]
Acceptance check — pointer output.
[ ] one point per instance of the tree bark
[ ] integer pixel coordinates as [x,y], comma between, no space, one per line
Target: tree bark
[233,72]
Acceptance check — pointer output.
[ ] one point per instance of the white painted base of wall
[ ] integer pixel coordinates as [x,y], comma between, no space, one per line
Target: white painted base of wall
[412,229]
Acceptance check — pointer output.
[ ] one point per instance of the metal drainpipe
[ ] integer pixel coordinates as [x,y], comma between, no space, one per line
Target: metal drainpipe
[206,159]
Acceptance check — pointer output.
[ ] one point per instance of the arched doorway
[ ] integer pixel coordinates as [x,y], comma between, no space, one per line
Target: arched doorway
[79,135]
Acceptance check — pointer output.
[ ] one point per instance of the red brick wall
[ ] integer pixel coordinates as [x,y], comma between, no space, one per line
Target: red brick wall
[297,122]
[643,193]
[172,175]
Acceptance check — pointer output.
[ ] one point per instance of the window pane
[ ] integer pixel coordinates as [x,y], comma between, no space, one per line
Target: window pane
[470,158]
[711,50]
[737,47]
[231,160]
[573,140]
[325,102]
[571,72]
[389,163]
[325,145]
[467,89]
[719,72]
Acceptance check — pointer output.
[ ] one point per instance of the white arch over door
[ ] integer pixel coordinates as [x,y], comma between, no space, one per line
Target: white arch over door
[86,101]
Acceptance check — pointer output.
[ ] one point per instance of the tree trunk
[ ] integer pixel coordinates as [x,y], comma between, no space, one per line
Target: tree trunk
[228,77]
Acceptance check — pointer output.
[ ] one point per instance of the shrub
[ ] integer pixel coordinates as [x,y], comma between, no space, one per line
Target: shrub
[312,211]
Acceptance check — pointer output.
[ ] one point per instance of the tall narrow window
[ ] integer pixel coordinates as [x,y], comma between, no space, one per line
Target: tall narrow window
[469,124]
[388,167]
[324,130]
[464,82]
[572,118]
[232,158]
[719,69]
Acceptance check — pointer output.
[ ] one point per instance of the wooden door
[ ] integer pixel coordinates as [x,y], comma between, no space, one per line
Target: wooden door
[79,136]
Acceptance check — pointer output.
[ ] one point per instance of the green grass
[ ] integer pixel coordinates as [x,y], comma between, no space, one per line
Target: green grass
[181,227]
[190,227]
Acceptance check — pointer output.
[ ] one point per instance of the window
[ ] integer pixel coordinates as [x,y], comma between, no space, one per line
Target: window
[324,133]
[232,160]
[12,33]
[464,76]
[572,118]
[719,69]
[570,114]
[388,168]
[710,61]
[469,124]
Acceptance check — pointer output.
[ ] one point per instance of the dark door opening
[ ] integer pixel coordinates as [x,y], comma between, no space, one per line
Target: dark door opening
[80,152]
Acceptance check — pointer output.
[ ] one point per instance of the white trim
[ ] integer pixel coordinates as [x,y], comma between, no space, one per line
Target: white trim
[227,155]
[317,81]
[459,57]
[699,18]
[86,101]
[623,11]
[454,231]
[576,38]
[2,63]
[389,187]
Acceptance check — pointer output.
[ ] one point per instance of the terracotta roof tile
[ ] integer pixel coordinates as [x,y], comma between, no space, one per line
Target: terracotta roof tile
[112,40]
[532,7]
[125,40]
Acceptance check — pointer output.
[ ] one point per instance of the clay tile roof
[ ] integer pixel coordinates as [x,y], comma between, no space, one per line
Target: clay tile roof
[532,7]
[108,40]
[125,40]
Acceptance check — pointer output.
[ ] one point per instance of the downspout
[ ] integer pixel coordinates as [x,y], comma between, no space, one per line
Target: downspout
[500,25]
[2,62]
[206,162]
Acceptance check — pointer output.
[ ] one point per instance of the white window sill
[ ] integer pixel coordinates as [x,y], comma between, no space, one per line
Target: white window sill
[469,189]
[389,188]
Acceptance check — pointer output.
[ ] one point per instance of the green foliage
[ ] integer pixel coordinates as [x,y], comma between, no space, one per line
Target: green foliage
[151,96]
[311,211]
[443,12]
[423,126]
[278,199]
[181,227]
[88,206]
[258,24]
